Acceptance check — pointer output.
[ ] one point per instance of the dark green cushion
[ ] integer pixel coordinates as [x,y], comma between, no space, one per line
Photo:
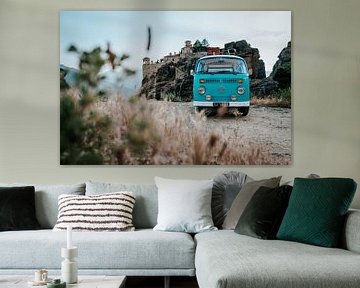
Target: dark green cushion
[263,214]
[316,211]
[17,208]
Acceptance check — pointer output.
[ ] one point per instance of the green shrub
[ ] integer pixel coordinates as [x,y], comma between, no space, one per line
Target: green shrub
[284,94]
[84,131]
[172,97]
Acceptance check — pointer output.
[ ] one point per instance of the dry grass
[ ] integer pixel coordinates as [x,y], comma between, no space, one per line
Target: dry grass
[148,132]
[271,101]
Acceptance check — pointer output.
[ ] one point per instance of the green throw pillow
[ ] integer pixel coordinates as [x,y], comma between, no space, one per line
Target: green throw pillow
[316,211]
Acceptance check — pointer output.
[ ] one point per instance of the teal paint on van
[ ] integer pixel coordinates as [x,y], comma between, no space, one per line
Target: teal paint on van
[221,80]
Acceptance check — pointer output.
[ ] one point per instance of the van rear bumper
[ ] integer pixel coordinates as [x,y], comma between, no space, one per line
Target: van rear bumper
[217,104]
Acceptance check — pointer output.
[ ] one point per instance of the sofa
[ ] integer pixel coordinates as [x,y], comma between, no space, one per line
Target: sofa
[218,259]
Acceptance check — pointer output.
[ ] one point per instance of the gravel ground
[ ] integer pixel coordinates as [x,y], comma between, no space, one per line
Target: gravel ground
[266,127]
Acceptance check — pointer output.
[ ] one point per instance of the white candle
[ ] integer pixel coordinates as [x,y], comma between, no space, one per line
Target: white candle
[69,240]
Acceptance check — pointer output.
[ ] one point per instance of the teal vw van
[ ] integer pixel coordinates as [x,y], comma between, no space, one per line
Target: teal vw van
[221,80]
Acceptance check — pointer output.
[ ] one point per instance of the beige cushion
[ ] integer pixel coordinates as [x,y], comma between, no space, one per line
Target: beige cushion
[243,198]
[105,212]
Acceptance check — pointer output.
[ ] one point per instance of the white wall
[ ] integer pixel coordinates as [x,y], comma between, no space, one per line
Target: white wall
[326,91]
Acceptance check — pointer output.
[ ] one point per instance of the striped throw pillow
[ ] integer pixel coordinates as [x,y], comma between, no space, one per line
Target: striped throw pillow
[105,212]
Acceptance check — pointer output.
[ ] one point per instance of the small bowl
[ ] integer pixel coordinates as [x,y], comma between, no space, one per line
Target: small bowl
[56,283]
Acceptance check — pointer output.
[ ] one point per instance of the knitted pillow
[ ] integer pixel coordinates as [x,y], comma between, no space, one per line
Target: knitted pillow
[317,210]
[105,212]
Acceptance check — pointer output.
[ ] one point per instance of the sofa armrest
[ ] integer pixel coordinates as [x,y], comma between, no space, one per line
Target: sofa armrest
[351,234]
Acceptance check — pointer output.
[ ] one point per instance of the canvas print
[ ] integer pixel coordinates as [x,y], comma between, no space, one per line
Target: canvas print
[175,88]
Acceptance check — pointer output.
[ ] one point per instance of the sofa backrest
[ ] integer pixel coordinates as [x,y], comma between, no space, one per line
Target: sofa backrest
[146,203]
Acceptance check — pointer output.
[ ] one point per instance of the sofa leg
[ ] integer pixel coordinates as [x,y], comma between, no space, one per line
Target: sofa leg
[167,282]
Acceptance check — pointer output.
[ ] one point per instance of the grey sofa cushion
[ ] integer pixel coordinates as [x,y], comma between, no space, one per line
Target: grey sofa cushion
[351,235]
[146,204]
[143,249]
[310,176]
[226,259]
[46,200]
[225,189]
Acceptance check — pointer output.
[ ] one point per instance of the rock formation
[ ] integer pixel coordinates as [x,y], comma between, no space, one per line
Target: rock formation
[170,77]
[251,56]
[171,74]
[282,69]
[263,87]
[279,78]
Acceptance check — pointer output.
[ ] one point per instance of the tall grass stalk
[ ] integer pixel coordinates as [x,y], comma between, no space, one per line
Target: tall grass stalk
[148,132]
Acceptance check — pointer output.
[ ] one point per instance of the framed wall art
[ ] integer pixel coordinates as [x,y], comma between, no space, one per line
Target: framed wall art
[175,88]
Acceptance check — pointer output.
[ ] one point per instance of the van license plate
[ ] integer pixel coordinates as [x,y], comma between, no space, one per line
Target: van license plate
[225,104]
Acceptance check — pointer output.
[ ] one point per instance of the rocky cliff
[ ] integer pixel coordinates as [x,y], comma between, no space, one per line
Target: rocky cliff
[170,79]
[279,78]
[251,55]
[173,77]
[282,69]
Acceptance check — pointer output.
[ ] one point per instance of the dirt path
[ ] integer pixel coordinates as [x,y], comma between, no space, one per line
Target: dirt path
[266,127]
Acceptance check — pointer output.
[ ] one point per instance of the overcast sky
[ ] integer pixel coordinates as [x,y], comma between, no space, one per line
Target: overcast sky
[269,31]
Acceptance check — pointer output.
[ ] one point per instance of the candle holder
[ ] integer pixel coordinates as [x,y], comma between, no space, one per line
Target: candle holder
[68,265]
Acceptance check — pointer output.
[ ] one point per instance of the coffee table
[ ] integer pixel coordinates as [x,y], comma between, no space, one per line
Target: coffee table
[84,281]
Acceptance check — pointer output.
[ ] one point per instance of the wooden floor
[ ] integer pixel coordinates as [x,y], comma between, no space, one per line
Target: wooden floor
[158,282]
